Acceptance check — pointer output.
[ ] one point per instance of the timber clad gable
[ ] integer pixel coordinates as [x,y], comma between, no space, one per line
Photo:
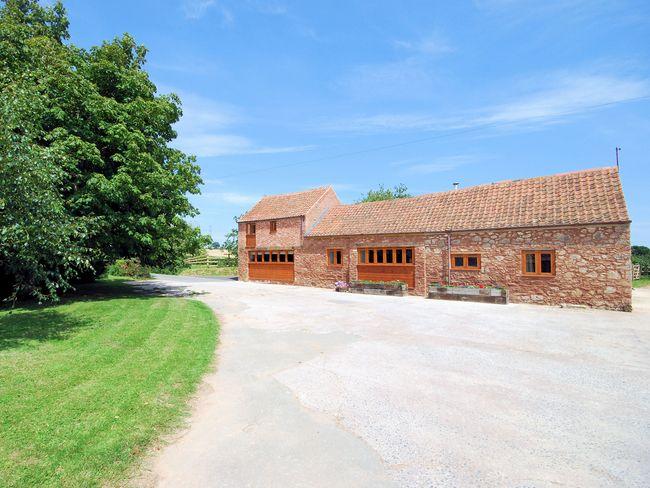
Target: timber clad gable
[555,240]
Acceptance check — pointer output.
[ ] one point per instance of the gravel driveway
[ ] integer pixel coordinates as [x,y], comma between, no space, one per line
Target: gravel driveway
[318,389]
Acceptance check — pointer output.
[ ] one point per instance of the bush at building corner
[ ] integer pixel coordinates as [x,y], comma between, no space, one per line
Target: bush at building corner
[129,267]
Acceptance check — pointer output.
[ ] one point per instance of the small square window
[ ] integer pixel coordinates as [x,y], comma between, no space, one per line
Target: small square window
[409,256]
[334,257]
[290,256]
[467,262]
[538,263]
[267,257]
[380,256]
[371,256]
[389,256]
[251,257]
[283,257]
[251,229]
[274,257]
[398,256]
[362,256]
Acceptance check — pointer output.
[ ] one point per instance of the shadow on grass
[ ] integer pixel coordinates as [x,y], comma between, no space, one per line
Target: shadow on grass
[31,321]
[18,329]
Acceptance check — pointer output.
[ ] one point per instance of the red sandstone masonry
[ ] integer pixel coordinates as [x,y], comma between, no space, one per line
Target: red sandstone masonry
[581,216]
[592,262]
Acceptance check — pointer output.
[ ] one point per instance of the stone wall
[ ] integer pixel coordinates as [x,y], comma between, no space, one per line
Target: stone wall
[311,261]
[592,262]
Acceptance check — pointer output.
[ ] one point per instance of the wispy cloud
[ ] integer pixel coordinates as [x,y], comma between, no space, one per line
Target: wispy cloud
[196,9]
[206,129]
[411,75]
[213,181]
[542,100]
[516,12]
[214,145]
[433,44]
[235,198]
[436,165]
[405,78]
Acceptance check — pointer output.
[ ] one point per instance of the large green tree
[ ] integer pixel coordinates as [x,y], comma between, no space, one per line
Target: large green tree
[86,171]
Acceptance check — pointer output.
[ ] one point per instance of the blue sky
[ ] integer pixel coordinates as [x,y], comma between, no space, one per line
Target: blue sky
[281,95]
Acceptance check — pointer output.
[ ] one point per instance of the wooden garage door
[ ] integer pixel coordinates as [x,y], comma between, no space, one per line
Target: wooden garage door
[387,264]
[276,266]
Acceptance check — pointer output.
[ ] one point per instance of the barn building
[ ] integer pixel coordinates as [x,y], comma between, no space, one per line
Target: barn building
[560,239]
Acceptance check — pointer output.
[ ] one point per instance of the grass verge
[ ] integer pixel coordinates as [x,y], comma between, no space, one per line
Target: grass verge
[641,282]
[87,386]
[200,270]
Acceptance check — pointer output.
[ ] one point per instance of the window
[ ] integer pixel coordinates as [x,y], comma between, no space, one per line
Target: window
[386,256]
[334,257]
[250,229]
[270,257]
[538,263]
[469,262]
[274,226]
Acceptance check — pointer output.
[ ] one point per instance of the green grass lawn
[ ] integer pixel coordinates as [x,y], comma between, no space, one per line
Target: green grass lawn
[200,270]
[641,282]
[87,386]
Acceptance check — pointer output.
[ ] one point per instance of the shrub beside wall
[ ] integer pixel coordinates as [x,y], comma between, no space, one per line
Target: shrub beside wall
[129,267]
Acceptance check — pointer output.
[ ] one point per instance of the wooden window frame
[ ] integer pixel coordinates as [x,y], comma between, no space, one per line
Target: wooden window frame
[383,250]
[273,226]
[465,256]
[251,229]
[262,252]
[538,262]
[334,250]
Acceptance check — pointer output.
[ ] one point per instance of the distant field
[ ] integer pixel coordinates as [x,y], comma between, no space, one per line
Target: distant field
[201,270]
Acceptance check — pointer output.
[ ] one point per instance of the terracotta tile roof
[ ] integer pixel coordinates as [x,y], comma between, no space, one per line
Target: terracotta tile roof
[286,205]
[583,197]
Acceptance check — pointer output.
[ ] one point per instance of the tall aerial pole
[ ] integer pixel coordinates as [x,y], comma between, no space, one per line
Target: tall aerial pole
[617,151]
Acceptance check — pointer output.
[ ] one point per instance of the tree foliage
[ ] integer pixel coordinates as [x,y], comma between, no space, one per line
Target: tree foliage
[641,256]
[231,240]
[381,193]
[87,175]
